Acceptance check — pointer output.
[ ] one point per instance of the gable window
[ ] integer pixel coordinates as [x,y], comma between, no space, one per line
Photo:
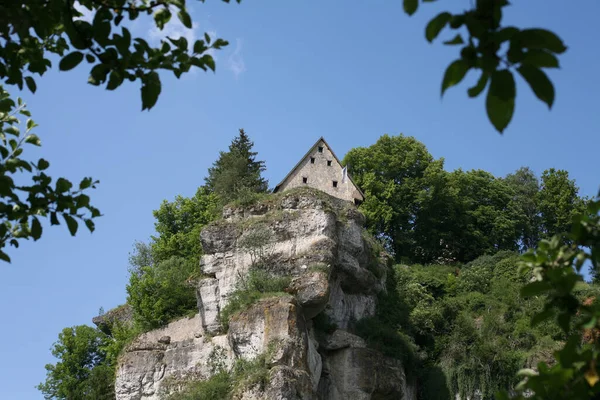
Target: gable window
[312,160]
[334,183]
[304,179]
[329,163]
[320,149]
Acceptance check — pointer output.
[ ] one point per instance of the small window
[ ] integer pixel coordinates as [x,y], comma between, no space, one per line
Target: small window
[320,149]
[312,160]
[334,183]
[304,179]
[329,163]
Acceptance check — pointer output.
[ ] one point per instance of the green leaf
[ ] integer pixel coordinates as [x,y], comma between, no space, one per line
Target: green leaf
[207,38]
[535,288]
[151,88]
[4,256]
[540,58]
[33,139]
[538,82]
[30,82]
[42,164]
[85,183]
[90,58]
[185,18]
[36,228]
[209,61]
[456,40]
[454,74]
[162,17]
[90,225]
[541,39]
[71,224]
[54,219]
[435,26]
[500,102]
[70,61]
[199,47]
[115,80]
[410,6]
[63,185]
[479,86]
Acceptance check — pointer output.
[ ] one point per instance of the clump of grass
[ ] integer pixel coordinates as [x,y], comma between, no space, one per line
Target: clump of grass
[259,284]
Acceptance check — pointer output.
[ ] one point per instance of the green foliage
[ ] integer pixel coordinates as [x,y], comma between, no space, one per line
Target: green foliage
[161,292]
[258,284]
[179,223]
[34,33]
[236,175]
[559,202]
[556,268]
[41,31]
[224,384]
[24,206]
[424,214]
[82,371]
[495,51]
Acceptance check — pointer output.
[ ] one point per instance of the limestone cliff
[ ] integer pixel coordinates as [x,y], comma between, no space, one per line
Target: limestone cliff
[335,274]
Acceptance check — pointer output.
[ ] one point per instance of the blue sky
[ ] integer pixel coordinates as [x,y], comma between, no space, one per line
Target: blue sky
[349,71]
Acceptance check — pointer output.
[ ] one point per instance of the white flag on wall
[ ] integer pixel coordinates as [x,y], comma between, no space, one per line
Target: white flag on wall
[344,174]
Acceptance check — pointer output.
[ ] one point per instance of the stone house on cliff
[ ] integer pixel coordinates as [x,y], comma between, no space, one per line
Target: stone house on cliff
[321,169]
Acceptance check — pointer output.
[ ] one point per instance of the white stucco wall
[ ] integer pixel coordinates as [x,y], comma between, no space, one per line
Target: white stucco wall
[321,176]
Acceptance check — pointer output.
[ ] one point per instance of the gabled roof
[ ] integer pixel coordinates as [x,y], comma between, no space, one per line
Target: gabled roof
[308,153]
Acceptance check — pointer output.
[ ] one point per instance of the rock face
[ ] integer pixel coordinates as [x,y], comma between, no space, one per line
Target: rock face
[316,241]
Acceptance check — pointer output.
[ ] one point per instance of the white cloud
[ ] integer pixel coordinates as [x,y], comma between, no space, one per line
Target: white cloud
[235,63]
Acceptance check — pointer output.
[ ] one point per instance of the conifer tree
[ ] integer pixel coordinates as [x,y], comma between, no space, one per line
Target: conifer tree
[237,173]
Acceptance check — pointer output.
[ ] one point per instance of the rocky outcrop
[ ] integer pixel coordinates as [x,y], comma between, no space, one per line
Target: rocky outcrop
[335,274]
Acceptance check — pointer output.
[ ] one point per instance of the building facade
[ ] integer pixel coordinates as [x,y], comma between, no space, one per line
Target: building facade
[321,169]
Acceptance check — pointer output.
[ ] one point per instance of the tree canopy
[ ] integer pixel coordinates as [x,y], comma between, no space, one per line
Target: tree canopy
[237,173]
[426,214]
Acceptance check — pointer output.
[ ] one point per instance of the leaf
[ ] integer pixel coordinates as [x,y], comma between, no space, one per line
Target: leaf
[457,40]
[42,164]
[33,139]
[540,59]
[479,86]
[54,219]
[207,37]
[70,61]
[90,225]
[30,82]
[591,376]
[71,224]
[199,47]
[435,26]
[538,82]
[85,183]
[150,90]
[209,61]
[410,6]
[541,39]
[63,185]
[185,18]
[36,228]
[454,74]
[161,17]
[4,256]
[115,80]
[500,101]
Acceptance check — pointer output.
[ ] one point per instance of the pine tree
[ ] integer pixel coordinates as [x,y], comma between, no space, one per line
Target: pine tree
[237,173]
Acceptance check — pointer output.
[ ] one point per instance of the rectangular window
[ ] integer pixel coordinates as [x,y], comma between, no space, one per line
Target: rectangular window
[334,183]
[312,160]
[320,149]
[304,179]
[329,163]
